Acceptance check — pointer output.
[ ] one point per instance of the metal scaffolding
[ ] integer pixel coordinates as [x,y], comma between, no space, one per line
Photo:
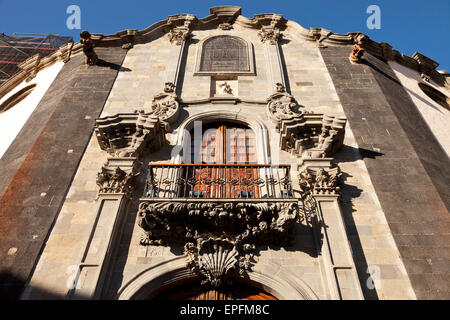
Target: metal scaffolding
[18,47]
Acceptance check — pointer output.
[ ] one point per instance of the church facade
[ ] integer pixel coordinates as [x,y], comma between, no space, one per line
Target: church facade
[226,157]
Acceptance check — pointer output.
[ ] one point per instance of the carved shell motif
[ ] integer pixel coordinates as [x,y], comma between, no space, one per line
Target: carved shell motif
[216,259]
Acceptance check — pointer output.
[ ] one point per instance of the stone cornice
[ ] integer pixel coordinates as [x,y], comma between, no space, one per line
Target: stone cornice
[231,15]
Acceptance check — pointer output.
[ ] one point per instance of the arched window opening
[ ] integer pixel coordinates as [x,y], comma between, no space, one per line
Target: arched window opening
[224,53]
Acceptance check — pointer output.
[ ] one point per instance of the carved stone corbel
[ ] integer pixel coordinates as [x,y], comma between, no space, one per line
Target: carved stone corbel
[427,66]
[128,134]
[88,47]
[35,69]
[281,105]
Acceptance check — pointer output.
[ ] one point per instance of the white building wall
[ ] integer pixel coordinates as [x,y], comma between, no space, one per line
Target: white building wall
[434,115]
[12,120]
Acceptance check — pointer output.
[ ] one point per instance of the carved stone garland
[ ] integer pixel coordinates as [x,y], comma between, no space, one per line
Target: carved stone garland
[219,238]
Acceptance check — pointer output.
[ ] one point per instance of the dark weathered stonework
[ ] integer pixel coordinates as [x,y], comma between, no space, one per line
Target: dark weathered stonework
[410,169]
[35,193]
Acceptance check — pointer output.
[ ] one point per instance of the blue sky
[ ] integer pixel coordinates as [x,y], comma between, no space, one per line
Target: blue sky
[407,25]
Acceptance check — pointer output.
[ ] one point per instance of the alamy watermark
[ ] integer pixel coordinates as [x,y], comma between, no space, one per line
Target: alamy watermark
[74,20]
[374,20]
[373,281]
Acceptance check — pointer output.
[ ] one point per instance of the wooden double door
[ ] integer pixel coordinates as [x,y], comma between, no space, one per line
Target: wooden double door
[225,162]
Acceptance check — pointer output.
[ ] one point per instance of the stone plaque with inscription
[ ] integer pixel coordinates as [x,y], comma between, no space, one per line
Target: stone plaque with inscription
[224,53]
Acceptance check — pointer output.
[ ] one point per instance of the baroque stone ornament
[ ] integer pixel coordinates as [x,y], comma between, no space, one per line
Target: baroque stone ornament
[219,237]
[181,26]
[312,135]
[320,181]
[88,47]
[272,32]
[128,134]
[165,106]
[113,179]
[281,105]
[273,35]
[214,258]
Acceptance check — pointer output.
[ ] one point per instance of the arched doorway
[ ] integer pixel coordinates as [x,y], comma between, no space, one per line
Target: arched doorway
[193,291]
[162,277]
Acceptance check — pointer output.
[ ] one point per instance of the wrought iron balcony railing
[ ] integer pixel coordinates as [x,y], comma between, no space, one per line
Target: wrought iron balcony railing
[218,181]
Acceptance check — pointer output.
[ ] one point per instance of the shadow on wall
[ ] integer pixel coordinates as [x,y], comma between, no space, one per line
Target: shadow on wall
[375,68]
[348,194]
[113,66]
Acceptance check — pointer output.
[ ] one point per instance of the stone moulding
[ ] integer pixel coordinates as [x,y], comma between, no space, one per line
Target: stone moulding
[219,235]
